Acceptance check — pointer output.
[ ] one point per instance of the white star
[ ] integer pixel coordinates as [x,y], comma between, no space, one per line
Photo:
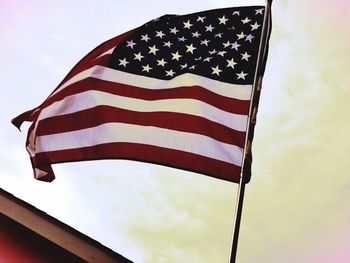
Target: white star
[216,70]
[241,75]
[213,52]
[222,53]
[227,44]
[170,73]
[241,35]
[131,44]
[193,67]
[138,56]
[190,48]
[161,62]
[205,42]
[259,11]
[153,50]
[235,13]
[246,20]
[145,37]
[201,18]
[207,59]
[245,56]
[187,24]
[183,66]
[223,20]
[182,39]
[123,62]
[231,63]
[167,44]
[218,35]
[160,34]
[196,34]
[255,26]
[235,45]
[146,68]
[174,30]
[249,38]
[176,56]
[199,58]
[209,28]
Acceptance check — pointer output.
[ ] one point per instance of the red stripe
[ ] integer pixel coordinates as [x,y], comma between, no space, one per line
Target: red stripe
[145,153]
[85,62]
[192,92]
[101,61]
[168,120]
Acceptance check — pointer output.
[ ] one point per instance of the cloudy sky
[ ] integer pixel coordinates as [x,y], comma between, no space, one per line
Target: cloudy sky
[297,204]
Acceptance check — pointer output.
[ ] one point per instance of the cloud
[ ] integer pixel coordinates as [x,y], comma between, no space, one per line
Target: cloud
[188,219]
[301,146]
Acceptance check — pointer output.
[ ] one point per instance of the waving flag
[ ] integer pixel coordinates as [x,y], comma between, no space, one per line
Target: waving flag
[176,91]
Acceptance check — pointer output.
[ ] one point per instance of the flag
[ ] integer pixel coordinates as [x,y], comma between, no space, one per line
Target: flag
[177,91]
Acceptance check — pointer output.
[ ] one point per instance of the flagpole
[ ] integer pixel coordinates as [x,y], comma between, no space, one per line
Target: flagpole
[239,206]
[250,128]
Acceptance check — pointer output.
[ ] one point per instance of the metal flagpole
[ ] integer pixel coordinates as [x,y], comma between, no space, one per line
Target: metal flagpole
[250,127]
[239,206]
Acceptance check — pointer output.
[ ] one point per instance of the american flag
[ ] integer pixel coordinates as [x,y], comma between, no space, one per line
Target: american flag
[175,91]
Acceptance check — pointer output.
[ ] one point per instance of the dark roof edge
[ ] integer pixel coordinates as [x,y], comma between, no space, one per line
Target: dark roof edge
[64,226]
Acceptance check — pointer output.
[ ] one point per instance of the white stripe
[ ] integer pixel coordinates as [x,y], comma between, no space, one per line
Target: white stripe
[108,52]
[92,98]
[121,132]
[241,92]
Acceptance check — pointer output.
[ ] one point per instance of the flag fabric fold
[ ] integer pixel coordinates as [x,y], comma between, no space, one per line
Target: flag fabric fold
[176,91]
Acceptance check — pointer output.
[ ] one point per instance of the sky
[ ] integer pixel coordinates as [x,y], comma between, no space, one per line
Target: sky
[296,205]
